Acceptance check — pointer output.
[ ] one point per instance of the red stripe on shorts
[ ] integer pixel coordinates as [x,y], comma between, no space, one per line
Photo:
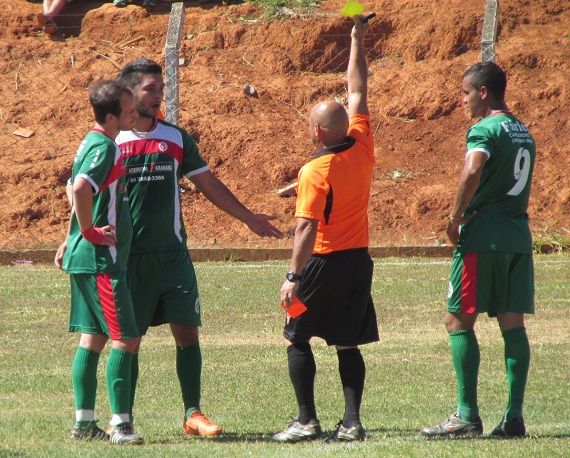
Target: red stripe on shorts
[469,284]
[107,298]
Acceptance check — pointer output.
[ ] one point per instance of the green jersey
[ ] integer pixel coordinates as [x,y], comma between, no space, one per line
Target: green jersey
[98,160]
[155,162]
[501,200]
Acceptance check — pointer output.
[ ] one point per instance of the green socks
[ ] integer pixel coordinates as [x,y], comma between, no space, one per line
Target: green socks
[189,369]
[466,358]
[84,378]
[119,381]
[517,361]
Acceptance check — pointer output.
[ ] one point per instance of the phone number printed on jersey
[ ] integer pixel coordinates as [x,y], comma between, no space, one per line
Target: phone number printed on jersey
[147,178]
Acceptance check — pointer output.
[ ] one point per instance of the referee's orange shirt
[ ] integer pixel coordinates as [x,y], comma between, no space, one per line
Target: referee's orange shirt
[334,188]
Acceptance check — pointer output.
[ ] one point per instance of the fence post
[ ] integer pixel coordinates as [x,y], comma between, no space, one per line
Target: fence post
[489,35]
[171,61]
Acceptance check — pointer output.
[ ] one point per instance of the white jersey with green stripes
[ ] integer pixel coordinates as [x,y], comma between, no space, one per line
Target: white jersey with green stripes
[155,162]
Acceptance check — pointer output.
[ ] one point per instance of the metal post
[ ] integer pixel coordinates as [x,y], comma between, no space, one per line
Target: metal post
[171,61]
[489,35]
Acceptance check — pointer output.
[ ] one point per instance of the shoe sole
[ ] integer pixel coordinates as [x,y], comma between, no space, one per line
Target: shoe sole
[195,432]
[504,435]
[350,439]
[469,435]
[133,442]
[296,440]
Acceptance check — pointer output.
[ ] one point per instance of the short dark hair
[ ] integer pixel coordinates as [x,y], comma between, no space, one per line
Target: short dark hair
[490,75]
[133,73]
[105,98]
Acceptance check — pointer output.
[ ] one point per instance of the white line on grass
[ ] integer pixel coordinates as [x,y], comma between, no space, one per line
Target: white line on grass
[263,265]
[266,264]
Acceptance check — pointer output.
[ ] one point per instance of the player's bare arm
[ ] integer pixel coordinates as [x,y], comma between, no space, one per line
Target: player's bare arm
[468,184]
[305,236]
[357,73]
[83,207]
[218,193]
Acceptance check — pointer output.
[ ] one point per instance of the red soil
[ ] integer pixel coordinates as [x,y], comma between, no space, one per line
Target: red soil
[416,55]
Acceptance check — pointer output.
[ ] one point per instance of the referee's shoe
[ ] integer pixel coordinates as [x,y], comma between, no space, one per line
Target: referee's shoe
[355,432]
[297,432]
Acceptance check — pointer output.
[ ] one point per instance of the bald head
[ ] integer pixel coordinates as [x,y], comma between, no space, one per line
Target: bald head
[328,123]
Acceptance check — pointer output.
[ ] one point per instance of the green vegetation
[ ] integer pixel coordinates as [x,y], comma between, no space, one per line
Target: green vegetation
[286,8]
[549,241]
[246,389]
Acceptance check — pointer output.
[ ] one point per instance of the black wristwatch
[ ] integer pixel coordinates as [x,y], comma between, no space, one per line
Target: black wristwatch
[292,277]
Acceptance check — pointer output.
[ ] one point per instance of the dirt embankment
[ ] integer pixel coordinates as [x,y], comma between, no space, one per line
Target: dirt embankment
[256,145]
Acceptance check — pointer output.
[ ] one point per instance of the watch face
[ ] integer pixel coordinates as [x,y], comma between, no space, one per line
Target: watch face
[292,277]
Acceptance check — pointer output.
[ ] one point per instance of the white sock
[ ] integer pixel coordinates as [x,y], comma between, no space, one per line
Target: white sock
[84,415]
[119,418]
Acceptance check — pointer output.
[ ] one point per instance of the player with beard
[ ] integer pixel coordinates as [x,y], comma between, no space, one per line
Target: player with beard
[163,282]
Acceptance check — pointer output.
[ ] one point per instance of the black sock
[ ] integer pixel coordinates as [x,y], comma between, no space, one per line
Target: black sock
[302,370]
[352,374]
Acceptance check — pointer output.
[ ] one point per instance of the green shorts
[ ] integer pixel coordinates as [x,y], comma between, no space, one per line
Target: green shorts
[101,304]
[492,283]
[164,289]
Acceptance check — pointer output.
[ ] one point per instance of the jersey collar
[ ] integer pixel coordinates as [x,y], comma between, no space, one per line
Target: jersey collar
[499,112]
[101,131]
[334,149]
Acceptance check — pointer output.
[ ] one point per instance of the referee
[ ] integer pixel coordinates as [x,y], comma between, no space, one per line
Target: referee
[330,269]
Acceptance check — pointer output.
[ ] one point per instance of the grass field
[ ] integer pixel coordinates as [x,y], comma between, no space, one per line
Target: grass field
[246,389]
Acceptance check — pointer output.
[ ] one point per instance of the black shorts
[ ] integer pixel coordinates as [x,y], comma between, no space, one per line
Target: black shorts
[336,290]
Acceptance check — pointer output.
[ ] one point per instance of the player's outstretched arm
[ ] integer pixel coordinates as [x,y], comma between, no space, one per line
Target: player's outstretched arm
[218,193]
[357,73]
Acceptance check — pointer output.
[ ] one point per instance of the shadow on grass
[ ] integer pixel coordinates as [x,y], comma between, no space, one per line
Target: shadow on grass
[488,437]
[372,435]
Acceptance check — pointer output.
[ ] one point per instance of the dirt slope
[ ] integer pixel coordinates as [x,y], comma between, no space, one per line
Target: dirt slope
[416,54]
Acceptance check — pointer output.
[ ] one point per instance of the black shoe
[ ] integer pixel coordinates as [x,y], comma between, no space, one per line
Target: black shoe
[297,432]
[355,433]
[89,432]
[453,427]
[513,428]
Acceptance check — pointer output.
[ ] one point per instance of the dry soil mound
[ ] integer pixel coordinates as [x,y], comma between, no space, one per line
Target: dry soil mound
[416,54]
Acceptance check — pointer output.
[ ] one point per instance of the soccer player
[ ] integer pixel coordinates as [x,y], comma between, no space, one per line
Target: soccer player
[163,283]
[330,269]
[95,255]
[492,270]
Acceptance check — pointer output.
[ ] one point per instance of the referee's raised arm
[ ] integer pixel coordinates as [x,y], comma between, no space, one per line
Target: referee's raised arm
[357,73]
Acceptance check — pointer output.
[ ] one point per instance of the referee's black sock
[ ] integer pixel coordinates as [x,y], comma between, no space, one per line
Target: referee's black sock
[352,374]
[302,370]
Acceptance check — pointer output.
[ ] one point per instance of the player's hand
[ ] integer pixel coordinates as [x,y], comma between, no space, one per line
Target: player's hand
[100,235]
[454,226]
[288,291]
[360,28]
[58,261]
[259,224]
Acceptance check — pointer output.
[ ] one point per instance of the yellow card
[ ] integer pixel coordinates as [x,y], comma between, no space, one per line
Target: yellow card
[352,9]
